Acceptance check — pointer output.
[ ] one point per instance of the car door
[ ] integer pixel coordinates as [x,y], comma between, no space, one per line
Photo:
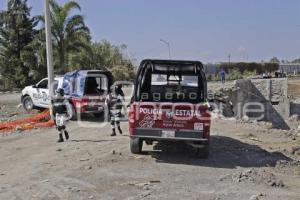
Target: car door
[34,93]
[42,93]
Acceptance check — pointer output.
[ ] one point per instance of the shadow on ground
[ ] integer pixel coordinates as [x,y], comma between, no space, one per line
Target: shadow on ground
[99,119]
[225,152]
[95,141]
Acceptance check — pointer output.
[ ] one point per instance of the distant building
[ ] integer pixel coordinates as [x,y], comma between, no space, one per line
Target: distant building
[289,68]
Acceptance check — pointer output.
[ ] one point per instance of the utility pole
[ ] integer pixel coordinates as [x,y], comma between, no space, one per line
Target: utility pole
[168,44]
[229,55]
[49,53]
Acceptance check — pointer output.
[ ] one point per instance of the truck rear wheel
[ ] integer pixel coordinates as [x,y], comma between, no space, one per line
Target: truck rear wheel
[136,145]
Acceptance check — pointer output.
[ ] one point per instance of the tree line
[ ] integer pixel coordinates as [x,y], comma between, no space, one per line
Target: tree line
[258,68]
[23,47]
[238,70]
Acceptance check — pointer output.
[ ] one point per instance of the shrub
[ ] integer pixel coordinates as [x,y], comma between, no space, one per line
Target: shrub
[234,74]
[248,73]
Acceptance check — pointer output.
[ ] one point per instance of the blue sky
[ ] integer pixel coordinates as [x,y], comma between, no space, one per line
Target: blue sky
[206,30]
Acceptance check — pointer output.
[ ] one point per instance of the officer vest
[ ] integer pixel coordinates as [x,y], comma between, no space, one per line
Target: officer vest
[59,106]
[115,103]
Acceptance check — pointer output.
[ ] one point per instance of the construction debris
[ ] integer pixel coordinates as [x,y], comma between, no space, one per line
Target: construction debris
[257,176]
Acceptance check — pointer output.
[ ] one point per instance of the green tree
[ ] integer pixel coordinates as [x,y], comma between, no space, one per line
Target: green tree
[124,72]
[39,45]
[274,60]
[16,34]
[70,34]
[104,55]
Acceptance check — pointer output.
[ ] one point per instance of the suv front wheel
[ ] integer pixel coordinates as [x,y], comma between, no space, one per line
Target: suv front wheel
[27,103]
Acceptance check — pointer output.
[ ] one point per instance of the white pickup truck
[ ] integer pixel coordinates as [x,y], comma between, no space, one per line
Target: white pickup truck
[37,96]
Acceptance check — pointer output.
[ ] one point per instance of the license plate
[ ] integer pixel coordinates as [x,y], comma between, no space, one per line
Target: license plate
[168,134]
[198,126]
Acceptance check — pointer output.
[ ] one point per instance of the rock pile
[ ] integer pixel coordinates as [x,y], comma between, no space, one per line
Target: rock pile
[293,133]
[289,167]
[257,176]
[294,118]
[221,100]
[287,164]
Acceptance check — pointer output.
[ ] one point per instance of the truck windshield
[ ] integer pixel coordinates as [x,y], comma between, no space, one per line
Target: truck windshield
[96,85]
[185,80]
[170,84]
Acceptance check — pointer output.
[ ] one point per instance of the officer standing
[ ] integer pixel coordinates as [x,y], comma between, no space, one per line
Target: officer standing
[115,102]
[62,112]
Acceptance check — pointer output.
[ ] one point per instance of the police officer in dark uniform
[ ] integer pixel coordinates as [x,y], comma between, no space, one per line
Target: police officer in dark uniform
[115,102]
[119,91]
[62,113]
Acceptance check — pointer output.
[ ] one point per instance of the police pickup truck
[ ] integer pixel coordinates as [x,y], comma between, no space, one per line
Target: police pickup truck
[85,89]
[170,104]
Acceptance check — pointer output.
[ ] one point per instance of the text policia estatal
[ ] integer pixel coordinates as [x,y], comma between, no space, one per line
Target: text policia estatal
[175,112]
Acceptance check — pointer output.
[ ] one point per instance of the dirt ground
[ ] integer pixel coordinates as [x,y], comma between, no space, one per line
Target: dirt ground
[294,89]
[247,161]
[11,109]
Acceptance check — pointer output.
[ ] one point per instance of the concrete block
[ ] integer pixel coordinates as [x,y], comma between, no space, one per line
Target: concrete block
[271,94]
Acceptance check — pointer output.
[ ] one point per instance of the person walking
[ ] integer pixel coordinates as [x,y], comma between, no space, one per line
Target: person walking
[62,113]
[120,92]
[115,102]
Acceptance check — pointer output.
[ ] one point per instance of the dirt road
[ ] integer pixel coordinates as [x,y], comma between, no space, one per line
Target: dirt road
[247,161]
[93,165]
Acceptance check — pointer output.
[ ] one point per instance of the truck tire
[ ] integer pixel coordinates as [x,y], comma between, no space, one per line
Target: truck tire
[27,103]
[136,145]
[203,152]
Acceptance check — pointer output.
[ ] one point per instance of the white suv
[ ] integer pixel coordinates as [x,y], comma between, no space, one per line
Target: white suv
[37,96]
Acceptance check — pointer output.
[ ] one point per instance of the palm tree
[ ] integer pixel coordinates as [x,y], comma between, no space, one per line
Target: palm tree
[69,31]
